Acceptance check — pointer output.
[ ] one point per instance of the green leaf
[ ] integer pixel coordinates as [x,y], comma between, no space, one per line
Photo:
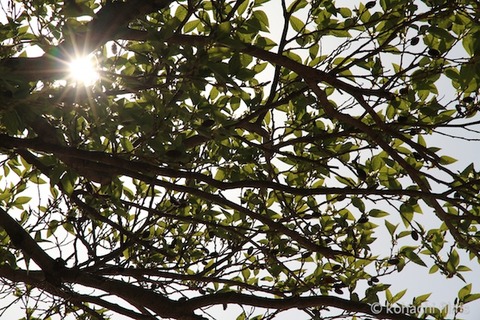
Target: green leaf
[126,144]
[262,18]
[223,30]
[220,175]
[412,256]
[191,25]
[297,5]
[398,296]
[265,43]
[296,24]
[246,273]
[464,291]
[453,259]
[358,204]
[181,12]
[346,181]
[345,12]
[447,160]
[375,213]
[421,299]
[471,297]
[68,181]
[471,43]
[20,201]
[391,227]
[52,227]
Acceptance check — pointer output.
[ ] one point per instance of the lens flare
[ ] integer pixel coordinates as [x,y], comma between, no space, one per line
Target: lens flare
[82,70]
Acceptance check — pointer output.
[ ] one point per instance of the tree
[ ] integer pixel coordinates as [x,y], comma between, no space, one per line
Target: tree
[220,160]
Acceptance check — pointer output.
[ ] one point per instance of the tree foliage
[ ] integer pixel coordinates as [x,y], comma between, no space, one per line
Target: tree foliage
[274,155]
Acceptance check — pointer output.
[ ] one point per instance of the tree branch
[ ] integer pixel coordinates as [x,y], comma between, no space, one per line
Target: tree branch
[290,303]
[108,23]
[113,165]
[34,278]
[22,240]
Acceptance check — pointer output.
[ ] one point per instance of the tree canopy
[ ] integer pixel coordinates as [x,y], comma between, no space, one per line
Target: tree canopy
[272,155]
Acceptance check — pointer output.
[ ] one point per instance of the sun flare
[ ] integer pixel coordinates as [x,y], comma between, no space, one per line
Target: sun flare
[83,70]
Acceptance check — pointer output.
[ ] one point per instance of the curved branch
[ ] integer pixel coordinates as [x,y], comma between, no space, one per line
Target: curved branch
[412,172]
[290,303]
[115,165]
[22,240]
[108,23]
[34,278]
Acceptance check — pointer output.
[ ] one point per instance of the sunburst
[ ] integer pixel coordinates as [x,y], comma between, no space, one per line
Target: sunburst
[83,70]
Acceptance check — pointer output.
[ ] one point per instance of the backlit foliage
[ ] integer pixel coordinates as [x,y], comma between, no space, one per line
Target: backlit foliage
[274,155]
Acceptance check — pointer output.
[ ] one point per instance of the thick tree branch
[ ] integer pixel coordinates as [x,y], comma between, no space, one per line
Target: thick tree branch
[294,302]
[23,241]
[281,60]
[112,165]
[230,215]
[158,303]
[133,171]
[35,279]
[108,23]
[135,295]
[33,66]
[55,274]
[139,272]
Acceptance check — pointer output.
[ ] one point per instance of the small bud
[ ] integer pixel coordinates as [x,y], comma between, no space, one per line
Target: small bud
[362,175]
[414,235]
[370,4]
[336,267]
[433,53]
[363,219]
[173,153]
[414,41]
[208,123]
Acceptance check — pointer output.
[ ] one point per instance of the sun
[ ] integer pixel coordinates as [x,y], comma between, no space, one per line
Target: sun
[83,70]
